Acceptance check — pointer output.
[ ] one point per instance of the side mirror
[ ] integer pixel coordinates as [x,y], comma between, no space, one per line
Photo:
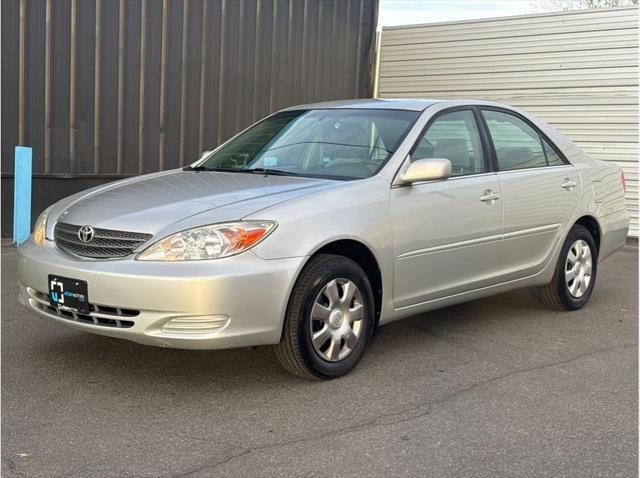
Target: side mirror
[427,170]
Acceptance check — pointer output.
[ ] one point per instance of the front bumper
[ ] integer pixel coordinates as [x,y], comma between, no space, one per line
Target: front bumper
[238,301]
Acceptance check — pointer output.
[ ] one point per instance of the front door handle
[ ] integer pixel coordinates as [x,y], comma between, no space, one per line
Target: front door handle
[568,184]
[489,197]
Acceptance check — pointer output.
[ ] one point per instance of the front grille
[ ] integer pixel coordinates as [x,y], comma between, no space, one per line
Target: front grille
[100,315]
[106,243]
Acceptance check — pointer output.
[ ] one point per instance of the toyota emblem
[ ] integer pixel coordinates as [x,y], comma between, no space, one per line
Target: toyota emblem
[85,233]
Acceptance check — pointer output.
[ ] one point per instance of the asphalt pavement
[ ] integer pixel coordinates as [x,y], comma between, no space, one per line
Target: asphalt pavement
[495,387]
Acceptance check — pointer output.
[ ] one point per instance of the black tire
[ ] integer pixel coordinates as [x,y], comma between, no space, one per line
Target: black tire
[295,350]
[556,295]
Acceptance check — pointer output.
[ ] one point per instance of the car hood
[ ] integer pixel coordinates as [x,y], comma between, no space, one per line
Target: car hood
[151,203]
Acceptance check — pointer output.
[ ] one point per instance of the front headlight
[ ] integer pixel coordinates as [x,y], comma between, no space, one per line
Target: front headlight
[208,242]
[40,228]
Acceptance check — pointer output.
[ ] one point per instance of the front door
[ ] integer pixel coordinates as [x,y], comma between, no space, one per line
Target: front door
[447,233]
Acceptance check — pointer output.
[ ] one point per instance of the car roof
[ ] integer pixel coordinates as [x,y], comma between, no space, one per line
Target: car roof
[408,104]
[371,103]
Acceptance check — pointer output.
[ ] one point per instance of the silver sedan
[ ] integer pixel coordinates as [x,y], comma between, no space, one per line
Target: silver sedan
[321,222]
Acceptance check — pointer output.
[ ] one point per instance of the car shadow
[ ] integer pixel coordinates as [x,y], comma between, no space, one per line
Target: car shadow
[102,359]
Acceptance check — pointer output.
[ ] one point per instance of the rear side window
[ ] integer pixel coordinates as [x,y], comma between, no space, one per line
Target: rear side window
[518,145]
[453,136]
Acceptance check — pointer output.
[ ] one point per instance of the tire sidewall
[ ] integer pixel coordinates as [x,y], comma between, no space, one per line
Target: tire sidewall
[334,268]
[570,302]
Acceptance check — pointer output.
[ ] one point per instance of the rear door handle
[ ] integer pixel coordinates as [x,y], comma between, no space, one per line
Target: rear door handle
[568,184]
[489,197]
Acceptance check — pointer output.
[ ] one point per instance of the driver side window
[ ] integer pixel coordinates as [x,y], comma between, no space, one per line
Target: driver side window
[453,136]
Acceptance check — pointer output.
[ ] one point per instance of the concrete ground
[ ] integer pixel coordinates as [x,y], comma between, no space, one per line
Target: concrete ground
[495,387]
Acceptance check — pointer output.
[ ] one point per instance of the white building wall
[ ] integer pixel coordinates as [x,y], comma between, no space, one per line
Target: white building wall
[577,70]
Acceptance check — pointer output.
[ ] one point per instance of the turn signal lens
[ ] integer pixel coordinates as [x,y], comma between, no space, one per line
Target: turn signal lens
[208,242]
[39,234]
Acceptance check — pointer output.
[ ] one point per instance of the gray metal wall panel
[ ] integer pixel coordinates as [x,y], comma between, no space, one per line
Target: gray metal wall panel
[59,86]
[173,84]
[211,74]
[10,34]
[244,113]
[34,84]
[131,96]
[578,70]
[84,86]
[108,91]
[191,113]
[151,116]
[259,56]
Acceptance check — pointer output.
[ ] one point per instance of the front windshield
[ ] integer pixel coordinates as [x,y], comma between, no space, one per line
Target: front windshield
[331,143]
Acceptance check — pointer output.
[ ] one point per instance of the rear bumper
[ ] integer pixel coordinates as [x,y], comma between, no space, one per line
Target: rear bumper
[615,227]
[225,303]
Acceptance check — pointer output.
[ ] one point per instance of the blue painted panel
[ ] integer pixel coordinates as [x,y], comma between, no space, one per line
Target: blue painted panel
[22,195]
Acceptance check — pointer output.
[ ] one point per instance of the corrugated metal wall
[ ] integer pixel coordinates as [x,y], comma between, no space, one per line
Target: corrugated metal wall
[577,70]
[108,88]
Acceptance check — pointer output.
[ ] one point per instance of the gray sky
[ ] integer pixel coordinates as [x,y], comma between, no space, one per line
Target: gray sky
[401,12]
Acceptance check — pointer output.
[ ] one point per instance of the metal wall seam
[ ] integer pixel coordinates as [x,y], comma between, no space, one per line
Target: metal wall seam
[21,66]
[72,88]
[47,89]
[183,78]
[203,59]
[96,92]
[163,69]
[359,47]
[223,8]
[143,39]
[120,125]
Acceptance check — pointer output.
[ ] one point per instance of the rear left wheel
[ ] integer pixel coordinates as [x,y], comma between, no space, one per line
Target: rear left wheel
[575,273]
[329,320]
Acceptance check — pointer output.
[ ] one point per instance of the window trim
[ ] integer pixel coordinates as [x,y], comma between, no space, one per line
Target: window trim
[484,144]
[541,135]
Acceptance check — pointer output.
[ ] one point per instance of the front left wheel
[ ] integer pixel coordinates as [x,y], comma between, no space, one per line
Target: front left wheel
[329,320]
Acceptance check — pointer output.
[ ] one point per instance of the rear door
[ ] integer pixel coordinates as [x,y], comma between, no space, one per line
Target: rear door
[540,191]
[447,233]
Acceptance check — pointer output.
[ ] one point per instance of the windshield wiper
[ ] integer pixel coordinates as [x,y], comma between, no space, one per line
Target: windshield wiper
[196,168]
[274,172]
[206,168]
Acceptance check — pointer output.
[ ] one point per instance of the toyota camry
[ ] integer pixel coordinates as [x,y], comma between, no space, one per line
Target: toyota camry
[322,222]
